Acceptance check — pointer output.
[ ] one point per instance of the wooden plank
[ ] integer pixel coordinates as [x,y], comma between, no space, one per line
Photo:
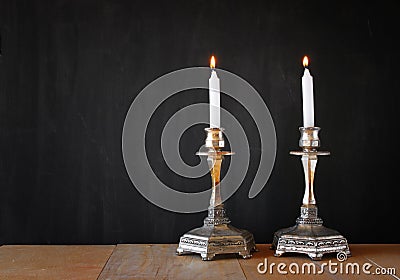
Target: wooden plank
[53,261]
[158,261]
[150,261]
[382,255]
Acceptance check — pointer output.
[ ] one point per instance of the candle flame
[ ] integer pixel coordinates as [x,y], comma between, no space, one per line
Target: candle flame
[212,62]
[305,61]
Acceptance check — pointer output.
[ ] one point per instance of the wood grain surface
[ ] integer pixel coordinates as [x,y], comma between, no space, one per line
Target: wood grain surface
[159,261]
[53,262]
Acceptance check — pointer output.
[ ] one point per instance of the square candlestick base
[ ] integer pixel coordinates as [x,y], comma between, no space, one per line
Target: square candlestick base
[217,236]
[310,237]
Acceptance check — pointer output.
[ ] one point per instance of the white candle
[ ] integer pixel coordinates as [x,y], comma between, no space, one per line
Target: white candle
[214,96]
[308,96]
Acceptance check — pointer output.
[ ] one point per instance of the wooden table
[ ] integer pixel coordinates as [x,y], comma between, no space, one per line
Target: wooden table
[158,261]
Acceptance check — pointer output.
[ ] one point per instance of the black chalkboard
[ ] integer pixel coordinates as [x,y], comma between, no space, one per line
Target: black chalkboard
[69,71]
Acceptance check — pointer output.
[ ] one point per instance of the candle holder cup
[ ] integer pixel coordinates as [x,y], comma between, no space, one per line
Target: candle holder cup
[309,236]
[217,235]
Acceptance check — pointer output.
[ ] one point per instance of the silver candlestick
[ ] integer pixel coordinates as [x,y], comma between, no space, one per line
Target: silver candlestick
[217,235]
[309,236]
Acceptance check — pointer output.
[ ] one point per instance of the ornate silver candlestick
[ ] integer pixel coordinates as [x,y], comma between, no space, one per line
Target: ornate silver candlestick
[309,236]
[216,236]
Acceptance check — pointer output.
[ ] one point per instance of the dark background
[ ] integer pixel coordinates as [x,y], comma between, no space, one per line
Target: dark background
[69,71]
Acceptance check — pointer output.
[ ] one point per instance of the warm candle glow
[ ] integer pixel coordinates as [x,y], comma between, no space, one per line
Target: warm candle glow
[305,61]
[212,62]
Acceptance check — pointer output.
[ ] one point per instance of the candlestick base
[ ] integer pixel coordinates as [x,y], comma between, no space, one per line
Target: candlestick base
[309,237]
[217,236]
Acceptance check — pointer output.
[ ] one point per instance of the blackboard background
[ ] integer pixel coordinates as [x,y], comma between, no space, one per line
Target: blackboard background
[69,71]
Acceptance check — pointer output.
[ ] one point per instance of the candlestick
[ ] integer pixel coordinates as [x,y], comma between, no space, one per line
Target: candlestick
[216,236]
[308,96]
[214,96]
[309,236]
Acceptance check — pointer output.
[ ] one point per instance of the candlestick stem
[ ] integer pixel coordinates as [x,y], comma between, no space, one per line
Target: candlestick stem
[309,163]
[214,162]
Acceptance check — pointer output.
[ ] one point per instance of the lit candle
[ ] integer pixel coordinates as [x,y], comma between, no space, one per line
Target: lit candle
[214,96]
[308,96]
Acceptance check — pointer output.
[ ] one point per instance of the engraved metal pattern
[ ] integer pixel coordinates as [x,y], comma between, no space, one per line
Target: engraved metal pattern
[309,236]
[217,235]
[309,215]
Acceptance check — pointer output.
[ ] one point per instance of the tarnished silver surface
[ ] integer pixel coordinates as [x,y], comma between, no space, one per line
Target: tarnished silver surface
[217,235]
[309,138]
[309,236]
[215,138]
